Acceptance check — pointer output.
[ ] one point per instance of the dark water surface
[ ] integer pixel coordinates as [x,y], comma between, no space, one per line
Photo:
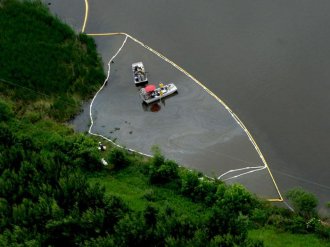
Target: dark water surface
[190,127]
[269,60]
[72,12]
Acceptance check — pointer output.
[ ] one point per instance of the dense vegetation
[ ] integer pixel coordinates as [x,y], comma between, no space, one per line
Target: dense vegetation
[50,195]
[40,53]
[54,191]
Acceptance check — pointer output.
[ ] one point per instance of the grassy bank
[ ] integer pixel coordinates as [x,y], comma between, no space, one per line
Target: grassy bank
[134,187]
[43,62]
[273,238]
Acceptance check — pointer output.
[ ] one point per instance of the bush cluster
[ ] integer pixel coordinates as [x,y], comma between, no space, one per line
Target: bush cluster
[119,158]
[45,198]
[162,171]
[233,207]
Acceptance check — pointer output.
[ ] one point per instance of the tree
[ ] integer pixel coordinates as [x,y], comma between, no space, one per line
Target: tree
[235,200]
[304,203]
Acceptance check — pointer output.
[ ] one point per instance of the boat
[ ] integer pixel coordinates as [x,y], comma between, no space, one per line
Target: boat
[151,94]
[139,73]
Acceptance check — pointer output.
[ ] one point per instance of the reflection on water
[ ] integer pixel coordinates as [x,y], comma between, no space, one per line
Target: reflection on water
[156,106]
[153,107]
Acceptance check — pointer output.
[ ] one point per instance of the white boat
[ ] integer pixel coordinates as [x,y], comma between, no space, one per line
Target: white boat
[151,94]
[139,73]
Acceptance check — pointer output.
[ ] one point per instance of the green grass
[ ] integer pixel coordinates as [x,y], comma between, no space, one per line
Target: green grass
[273,238]
[132,185]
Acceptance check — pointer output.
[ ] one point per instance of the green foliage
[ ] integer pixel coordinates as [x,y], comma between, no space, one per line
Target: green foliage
[119,158]
[42,53]
[83,152]
[259,217]
[322,231]
[5,111]
[164,173]
[295,224]
[189,181]
[19,237]
[236,199]
[7,137]
[46,198]
[222,240]
[206,191]
[150,196]
[275,238]
[150,215]
[160,170]
[304,203]
[158,159]
[100,242]
[43,59]
[63,107]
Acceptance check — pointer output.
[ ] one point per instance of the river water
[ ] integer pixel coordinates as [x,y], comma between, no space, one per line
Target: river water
[269,61]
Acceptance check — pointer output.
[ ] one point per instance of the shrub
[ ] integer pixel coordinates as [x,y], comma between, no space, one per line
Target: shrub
[206,191]
[158,159]
[236,199]
[304,203]
[166,172]
[82,152]
[322,231]
[222,240]
[150,215]
[119,158]
[259,217]
[5,112]
[7,137]
[276,220]
[189,182]
[296,224]
[150,195]
[160,170]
